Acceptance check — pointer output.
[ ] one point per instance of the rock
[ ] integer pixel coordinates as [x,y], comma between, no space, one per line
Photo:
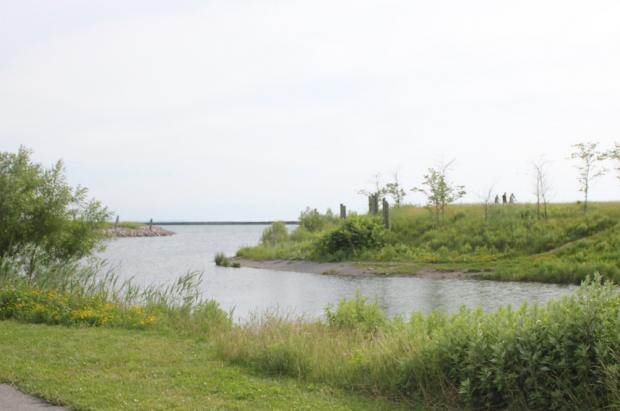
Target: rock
[139,232]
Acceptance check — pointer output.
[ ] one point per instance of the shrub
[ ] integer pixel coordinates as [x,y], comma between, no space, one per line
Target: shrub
[221,260]
[312,221]
[275,234]
[352,236]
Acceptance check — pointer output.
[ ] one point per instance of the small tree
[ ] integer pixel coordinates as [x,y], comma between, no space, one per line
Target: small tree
[614,154]
[41,212]
[395,191]
[541,187]
[487,202]
[439,191]
[392,189]
[589,157]
[377,186]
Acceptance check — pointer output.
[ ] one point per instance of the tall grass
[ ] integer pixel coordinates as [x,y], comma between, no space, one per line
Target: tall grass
[89,292]
[563,355]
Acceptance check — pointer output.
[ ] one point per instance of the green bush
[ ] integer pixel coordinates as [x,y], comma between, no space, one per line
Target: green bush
[221,260]
[275,234]
[312,221]
[352,236]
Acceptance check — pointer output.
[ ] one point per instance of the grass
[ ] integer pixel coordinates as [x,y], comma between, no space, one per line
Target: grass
[511,243]
[115,369]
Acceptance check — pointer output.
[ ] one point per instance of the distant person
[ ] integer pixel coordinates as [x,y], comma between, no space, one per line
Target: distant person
[504,198]
[513,199]
[496,198]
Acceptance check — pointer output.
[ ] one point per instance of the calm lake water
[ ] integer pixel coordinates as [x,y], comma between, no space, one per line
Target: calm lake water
[161,260]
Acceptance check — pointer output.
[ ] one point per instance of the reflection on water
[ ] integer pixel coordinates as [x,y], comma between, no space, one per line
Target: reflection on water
[161,260]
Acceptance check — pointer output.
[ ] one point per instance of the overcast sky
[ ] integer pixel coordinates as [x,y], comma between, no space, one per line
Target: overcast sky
[217,110]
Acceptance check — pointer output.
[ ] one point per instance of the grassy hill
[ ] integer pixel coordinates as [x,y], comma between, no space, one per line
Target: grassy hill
[511,242]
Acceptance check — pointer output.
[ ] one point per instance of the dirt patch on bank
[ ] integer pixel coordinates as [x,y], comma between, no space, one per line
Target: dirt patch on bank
[351,269]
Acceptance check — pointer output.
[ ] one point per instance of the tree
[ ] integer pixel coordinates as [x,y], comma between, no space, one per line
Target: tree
[487,201]
[41,212]
[394,190]
[589,157]
[541,187]
[376,181]
[439,191]
[614,154]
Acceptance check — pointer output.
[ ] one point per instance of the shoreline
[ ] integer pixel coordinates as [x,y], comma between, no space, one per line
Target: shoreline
[353,269]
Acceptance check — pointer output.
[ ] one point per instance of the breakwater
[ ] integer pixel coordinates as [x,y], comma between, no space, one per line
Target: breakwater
[220,222]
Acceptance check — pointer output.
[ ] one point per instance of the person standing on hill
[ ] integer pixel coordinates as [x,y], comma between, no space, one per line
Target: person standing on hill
[513,199]
[504,198]
[496,198]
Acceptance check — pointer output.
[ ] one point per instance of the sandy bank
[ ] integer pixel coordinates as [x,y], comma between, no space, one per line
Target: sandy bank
[351,269]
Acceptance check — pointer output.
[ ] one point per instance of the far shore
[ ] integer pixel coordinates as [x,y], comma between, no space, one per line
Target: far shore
[352,269]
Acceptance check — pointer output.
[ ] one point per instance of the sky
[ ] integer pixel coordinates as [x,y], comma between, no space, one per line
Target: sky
[254,110]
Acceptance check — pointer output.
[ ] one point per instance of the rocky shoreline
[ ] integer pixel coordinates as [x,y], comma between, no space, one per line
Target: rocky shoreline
[154,231]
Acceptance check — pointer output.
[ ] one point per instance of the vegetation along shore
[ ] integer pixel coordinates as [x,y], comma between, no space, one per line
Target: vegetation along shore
[510,243]
[95,342]
[498,240]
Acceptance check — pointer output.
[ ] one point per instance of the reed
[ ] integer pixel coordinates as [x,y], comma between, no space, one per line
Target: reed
[89,292]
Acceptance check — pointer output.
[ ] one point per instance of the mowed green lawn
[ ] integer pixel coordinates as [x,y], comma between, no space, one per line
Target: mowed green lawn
[112,369]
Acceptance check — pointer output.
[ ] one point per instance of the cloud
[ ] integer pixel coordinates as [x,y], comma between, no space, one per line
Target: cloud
[253,109]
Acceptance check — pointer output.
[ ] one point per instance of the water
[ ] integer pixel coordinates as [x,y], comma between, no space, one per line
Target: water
[160,260]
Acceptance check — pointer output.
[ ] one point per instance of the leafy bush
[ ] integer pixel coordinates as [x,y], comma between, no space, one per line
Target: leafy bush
[275,234]
[312,221]
[222,261]
[352,236]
